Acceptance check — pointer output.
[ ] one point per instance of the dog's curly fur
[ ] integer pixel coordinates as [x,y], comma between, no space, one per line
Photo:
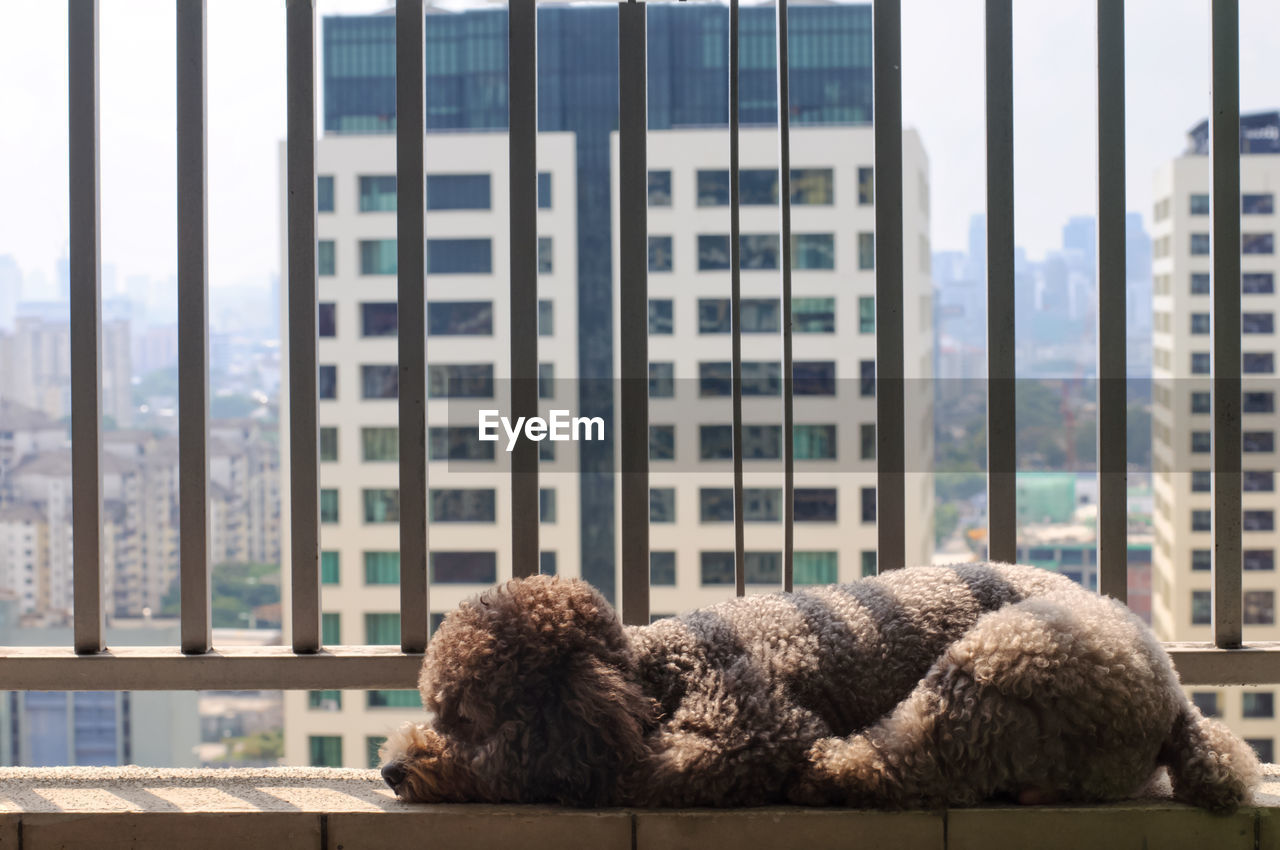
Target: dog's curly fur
[927,686]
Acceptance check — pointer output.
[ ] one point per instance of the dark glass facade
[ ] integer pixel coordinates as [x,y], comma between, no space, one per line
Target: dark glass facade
[466,84]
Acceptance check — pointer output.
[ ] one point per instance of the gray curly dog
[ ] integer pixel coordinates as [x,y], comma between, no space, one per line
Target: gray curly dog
[923,687]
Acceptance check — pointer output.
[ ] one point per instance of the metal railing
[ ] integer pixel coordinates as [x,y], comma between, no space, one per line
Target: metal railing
[306,663]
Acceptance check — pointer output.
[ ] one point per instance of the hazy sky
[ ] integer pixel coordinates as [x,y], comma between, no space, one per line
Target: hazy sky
[1054,102]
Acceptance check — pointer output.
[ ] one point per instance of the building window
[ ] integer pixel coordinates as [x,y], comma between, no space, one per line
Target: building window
[1201,520]
[867,440]
[544,190]
[1258,703]
[378,256]
[763,567]
[758,251]
[378,319]
[1200,442]
[458,192]
[1258,481]
[866,314]
[1199,283]
[379,381]
[1258,204]
[1201,402]
[662,504]
[1257,243]
[813,315]
[866,250]
[326,319]
[659,253]
[713,187]
[1201,608]
[869,563]
[1200,323]
[1258,441]
[330,571]
[328,444]
[324,700]
[547,505]
[460,318]
[325,750]
[328,505]
[814,442]
[759,315]
[1200,479]
[381,505]
[1259,607]
[662,442]
[866,185]
[1200,363]
[547,565]
[1257,323]
[867,378]
[717,568]
[1258,402]
[324,193]
[661,318]
[713,252]
[814,377]
[378,193]
[459,256]
[326,262]
[545,255]
[1258,283]
[810,568]
[1260,560]
[1263,747]
[815,504]
[373,748]
[1207,702]
[1199,204]
[662,380]
[460,380]
[760,504]
[546,318]
[868,504]
[381,567]
[1258,363]
[382,629]
[1259,520]
[460,505]
[546,380]
[810,251]
[758,187]
[331,629]
[812,186]
[464,567]
[662,568]
[1200,244]
[457,442]
[659,188]
[1201,560]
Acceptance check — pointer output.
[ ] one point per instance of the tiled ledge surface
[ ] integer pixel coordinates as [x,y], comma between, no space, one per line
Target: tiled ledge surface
[321,809]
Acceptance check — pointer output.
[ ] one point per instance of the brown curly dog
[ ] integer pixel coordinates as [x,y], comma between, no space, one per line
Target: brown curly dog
[924,687]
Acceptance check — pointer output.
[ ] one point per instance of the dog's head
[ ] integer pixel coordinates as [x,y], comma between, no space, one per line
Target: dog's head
[534,697]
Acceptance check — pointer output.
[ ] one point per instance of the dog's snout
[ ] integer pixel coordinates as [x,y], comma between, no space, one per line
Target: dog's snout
[393,774]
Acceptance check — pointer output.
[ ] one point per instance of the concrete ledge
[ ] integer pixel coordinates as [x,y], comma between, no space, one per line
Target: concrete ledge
[329,809]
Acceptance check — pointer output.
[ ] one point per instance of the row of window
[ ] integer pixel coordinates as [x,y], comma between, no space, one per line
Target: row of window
[1259,607]
[1257,560]
[1250,323]
[1251,203]
[1251,283]
[1252,480]
[377,192]
[444,505]
[444,318]
[761,315]
[326,750]
[762,252]
[1250,243]
[1251,362]
[760,442]
[1254,520]
[759,186]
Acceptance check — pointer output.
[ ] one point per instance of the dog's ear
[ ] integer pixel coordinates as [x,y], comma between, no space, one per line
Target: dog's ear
[543,667]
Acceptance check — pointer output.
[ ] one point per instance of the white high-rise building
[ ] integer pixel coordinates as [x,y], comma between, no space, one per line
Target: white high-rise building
[1182,414]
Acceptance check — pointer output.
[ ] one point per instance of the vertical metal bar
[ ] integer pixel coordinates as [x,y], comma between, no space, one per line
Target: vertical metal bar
[86,312]
[304,481]
[411,294]
[1002,452]
[735,308]
[193,327]
[633,301]
[523,176]
[890,397]
[784,224]
[1113,507]
[1224,145]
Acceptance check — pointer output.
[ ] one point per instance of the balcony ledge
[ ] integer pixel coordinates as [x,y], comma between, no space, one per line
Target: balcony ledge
[340,809]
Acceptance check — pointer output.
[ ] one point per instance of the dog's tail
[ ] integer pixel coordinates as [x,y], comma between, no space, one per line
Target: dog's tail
[1209,766]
